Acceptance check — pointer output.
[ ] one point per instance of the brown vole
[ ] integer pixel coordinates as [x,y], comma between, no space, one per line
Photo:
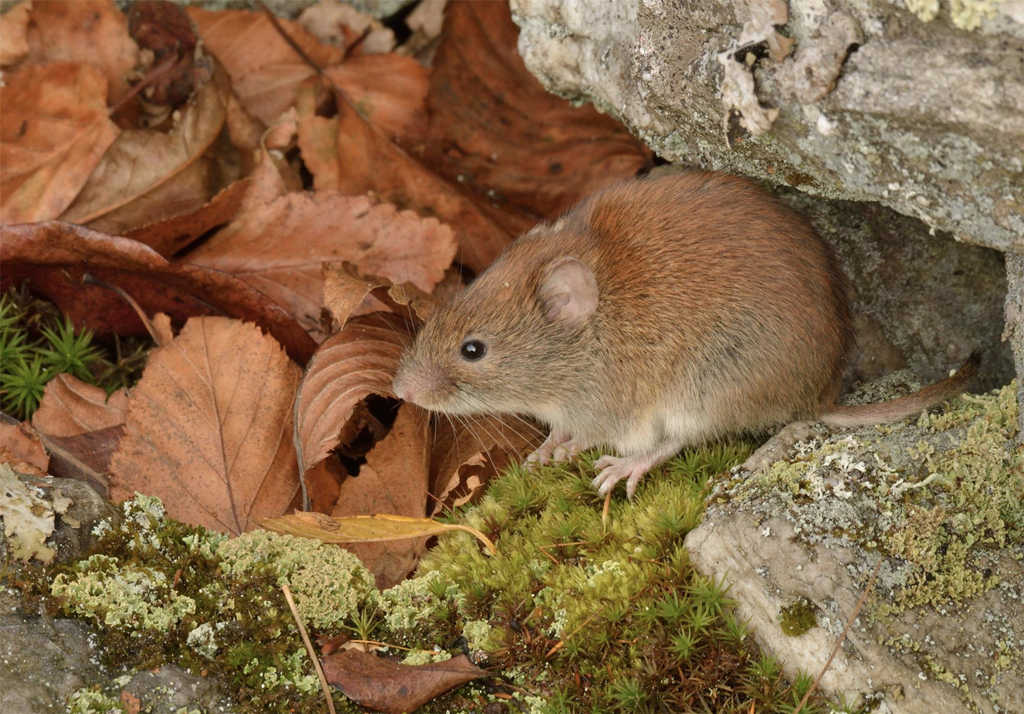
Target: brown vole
[653,315]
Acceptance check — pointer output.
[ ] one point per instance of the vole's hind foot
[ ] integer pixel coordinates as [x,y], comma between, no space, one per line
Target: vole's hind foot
[779,446]
[554,448]
[612,469]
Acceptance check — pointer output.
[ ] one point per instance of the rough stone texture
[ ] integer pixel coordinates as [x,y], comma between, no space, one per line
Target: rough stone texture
[170,690]
[925,118]
[939,501]
[1015,325]
[42,662]
[73,534]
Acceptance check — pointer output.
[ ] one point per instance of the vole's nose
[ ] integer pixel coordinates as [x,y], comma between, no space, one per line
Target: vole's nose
[419,384]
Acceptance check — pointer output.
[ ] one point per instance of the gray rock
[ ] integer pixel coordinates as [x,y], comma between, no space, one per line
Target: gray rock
[42,662]
[862,101]
[170,689]
[939,502]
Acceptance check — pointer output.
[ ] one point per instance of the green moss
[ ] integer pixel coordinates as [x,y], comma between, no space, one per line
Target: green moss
[798,618]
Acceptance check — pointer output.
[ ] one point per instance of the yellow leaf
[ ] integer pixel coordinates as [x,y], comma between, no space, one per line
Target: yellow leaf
[364,529]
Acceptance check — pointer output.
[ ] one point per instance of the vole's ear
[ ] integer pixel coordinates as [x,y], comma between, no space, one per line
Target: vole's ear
[569,291]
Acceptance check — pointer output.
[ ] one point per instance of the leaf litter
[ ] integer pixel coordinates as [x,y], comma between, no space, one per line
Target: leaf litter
[291,196]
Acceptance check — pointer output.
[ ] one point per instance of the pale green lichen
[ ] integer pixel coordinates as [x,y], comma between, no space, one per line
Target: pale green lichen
[122,597]
[477,634]
[93,701]
[203,639]
[417,657]
[329,583]
[965,14]
[409,602]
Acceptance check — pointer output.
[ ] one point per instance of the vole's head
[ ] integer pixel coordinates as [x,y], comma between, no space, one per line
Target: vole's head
[515,341]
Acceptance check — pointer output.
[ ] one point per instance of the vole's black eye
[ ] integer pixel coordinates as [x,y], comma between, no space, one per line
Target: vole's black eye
[473,350]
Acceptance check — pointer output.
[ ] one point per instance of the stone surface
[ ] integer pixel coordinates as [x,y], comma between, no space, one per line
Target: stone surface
[870,103]
[42,662]
[171,689]
[939,501]
[1015,324]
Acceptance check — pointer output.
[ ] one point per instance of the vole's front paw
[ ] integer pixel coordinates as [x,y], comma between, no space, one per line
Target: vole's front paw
[551,449]
[612,469]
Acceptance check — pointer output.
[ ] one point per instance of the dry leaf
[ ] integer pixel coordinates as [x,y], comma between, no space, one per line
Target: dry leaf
[85,457]
[166,32]
[20,446]
[148,175]
[389,90]
[515,144]
[172,235]
[385,686]
[54,131]
[358,361]
[265,80]
[393,480]
[84,32]
[209,426]
[468,454]
[377,528]
[71,407]
[345,289]
[54,256]
[348,153]
[260,247]
[14,33]
[339,24]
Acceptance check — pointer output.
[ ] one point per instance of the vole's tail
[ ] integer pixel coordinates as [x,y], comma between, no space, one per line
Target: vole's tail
[896,409]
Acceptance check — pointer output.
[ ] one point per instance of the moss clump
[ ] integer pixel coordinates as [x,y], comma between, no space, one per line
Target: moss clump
[798,618]
[590,616]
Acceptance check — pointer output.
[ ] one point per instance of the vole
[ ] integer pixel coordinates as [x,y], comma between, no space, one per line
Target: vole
[656,314]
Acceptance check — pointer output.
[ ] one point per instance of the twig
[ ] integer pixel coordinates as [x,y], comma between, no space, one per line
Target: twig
[846,630]
[309,648]
[604,511]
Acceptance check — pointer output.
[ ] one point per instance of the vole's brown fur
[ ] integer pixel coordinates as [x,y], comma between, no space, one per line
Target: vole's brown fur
[718,310]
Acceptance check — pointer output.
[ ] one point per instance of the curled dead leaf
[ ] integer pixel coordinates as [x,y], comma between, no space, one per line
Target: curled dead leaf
[71,407]
[54,256]
[467,454]
[376,528]
[352,364]
[393,480]
[54,131]
[385,686]
[148,175]
[208,427]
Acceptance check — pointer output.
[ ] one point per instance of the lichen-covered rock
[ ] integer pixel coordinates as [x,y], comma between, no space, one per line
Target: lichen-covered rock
[921,110]
[939,501]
